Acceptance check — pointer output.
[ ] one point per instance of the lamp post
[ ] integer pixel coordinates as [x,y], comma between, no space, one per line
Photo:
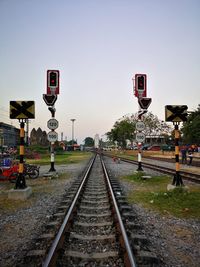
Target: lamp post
[73,120]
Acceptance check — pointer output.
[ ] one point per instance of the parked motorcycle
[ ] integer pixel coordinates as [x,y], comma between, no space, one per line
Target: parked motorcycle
[31,170]
[10,173]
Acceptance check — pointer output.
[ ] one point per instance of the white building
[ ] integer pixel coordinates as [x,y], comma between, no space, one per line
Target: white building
[96,141]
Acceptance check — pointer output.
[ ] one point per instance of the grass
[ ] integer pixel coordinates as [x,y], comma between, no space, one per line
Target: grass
[152,194]
[133,154]
[124,154]
[39,185]
[62,158]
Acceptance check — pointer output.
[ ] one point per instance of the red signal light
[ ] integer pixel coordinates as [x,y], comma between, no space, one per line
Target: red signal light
[140,85]
[141,82]
[53,79]
[53,82]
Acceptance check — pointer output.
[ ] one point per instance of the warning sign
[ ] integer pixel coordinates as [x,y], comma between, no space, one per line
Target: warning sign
[22,109]
[176,113]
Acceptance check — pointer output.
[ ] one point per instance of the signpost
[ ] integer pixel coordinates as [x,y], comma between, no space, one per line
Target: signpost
[176,114]
[22,110]
[140,91]
[50,98]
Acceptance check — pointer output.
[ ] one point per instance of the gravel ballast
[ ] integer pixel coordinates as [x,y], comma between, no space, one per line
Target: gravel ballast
[174,241]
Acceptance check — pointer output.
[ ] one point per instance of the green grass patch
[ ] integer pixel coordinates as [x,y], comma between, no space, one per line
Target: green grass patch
[152,193]
[124,155]
[62,158]
[131,157]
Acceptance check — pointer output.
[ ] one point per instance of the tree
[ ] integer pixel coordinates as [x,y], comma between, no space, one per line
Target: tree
[125,128]
[156,127]
[89,141]
[122,131]
[72,142]
[191,128]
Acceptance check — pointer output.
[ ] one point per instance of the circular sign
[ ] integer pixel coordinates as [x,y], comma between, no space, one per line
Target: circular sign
[140,126]
[52,136]
[140,137]
[52,124]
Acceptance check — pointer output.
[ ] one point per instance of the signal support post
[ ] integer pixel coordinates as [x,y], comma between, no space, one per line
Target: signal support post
[50,98]
[21,110]
[140,91]
[176,114]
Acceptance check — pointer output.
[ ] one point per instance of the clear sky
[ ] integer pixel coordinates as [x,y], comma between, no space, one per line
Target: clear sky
[98,46]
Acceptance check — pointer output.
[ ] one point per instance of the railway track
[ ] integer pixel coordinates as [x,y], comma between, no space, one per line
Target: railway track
[95,227]
[195,161]
[93,236]
[193,177]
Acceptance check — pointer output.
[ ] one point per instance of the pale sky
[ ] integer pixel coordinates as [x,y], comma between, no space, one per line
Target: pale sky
[98,46]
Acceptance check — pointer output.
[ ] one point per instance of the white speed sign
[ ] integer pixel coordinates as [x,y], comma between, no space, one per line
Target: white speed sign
[140,126]
[140,137]
[52,136]
[52,124]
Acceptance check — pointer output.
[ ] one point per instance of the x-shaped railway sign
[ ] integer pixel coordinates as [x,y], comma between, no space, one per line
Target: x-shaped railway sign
[176,113]
[22,109]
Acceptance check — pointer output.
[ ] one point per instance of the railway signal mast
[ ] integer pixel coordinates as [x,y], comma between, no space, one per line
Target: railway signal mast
[50,98]
[22,110]
[140,91]
[176,114]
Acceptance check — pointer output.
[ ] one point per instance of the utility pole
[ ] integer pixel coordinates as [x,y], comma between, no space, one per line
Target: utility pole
[73,120]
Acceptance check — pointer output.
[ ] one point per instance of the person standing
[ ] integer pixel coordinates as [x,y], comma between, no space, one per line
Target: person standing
[184,155]
[190,156]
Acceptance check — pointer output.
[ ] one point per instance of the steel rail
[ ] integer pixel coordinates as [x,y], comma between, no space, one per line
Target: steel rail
[131,260]
[185,175]
[194,177]
[49,260]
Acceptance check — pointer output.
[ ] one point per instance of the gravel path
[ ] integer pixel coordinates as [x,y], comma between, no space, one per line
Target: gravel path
[175,241]
[21,224]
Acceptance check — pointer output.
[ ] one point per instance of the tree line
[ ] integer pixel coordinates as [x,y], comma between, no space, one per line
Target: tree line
[124,129]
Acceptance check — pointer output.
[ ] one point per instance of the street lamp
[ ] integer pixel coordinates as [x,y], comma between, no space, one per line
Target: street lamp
[73,120]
